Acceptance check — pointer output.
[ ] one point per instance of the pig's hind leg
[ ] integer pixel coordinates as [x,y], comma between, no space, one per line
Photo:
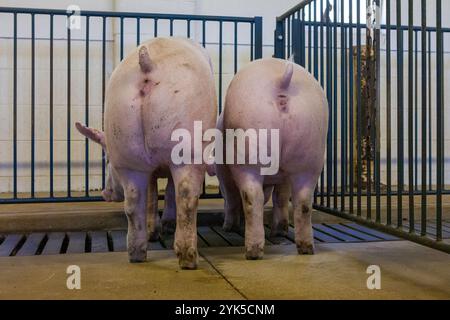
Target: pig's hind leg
[168,219]
[153,221]
[188,182]
[302,193]
[135,186]
[280,218]
[252,196]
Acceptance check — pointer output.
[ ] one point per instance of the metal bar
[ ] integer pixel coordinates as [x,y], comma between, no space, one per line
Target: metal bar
[258,37]
[280,40]
[171,27]
[388,116]
[416,114]
[69,121]
[103,95]
[220,64]
[351,109]
[138,31]
[204,33]
[430,90]
[358,109]
[298,7]
[113,14]
[86,111]
[235,47]
[377,128]
[410,116]
[189,28]
[400,157]
[15,110]
[423,224]
[322,175]
[309,41]
[33,101]
[155,28]
[439,118]
[343,110]
[121,38]
[335,104]
[252,43]
[51,107]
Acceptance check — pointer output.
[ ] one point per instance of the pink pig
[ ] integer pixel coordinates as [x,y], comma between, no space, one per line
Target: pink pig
[164,85]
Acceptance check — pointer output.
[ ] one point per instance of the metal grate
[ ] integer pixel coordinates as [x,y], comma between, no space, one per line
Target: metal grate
[208,236]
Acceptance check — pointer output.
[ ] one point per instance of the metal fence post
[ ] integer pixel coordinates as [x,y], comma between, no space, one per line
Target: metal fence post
[258,37]
[279,40]
[296,41]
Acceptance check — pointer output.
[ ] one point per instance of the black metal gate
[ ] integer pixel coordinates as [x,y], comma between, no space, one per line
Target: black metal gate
[385,158]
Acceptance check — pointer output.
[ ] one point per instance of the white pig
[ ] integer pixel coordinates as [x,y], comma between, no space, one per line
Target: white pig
[164,85]
[275,94]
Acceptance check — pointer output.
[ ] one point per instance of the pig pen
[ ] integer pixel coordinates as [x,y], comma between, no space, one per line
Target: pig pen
[52,216]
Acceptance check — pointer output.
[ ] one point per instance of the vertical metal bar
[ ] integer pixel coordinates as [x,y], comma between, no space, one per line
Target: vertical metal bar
[343,108]
[410,115]
[377,128]
[388,116]
[155,27]
[258,37]
[439,118]
[121,38]
[358,108]
[15,111]
[309,39]
[220,64]
[51,106]
[351,109]
[204,33]
[171,27]
[86,110]
[33,101]
[423,225]
[335,103]
[69,121]
[289,28]
[236,47]
[400,156]
[252,42]
[280,40]
[296,39]
[322,175]
[316,44]
[329,79]
[430,90]
[303,34]
[138,31]
[416,114]
[189,28]
[103,95]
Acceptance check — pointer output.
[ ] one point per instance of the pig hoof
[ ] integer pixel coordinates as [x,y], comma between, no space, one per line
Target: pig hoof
[254,253]
[187,259]
[138,257]
[305,248]
[153,236]
[230,227]
[168,226]
[279,230]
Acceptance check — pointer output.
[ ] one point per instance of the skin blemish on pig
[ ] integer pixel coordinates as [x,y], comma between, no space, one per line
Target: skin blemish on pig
[305,208]
[176,91]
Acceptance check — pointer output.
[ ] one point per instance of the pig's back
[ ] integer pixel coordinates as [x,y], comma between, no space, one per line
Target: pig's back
[300,112]
[146,108]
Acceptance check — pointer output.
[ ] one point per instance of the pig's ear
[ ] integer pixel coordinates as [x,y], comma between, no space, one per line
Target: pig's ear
[93,134]
[145,62]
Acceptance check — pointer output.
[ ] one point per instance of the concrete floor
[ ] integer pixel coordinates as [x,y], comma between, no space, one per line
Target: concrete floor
[336,271]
